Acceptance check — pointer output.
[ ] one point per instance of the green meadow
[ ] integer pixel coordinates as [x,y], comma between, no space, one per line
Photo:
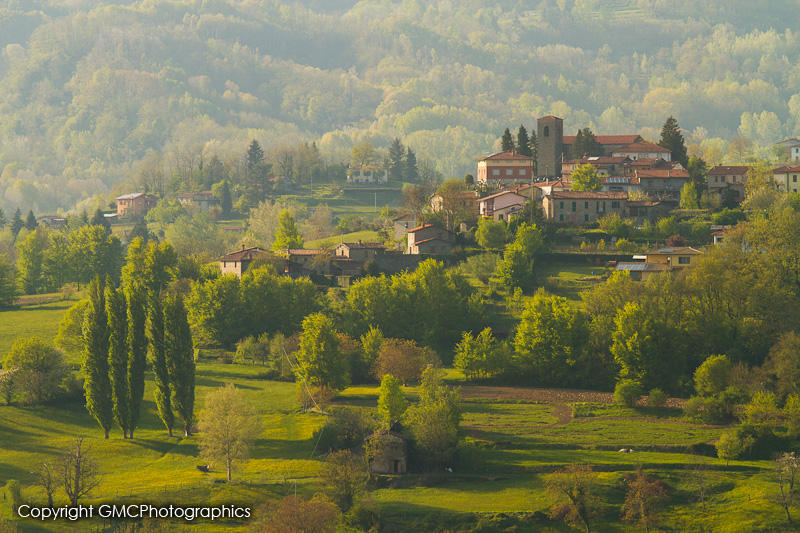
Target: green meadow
[510,444]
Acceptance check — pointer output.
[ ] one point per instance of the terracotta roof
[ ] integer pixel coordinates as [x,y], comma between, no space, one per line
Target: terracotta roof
[301,251]
[424,226]
[506,155]
[641,147]
[722,170]
[554,183]
[501,193]
[245,254]
[662,173]
[614,195]
[598,160]
[781,170]
[363,245]
[133,195]
[683,250]
[606,139]
[549,117]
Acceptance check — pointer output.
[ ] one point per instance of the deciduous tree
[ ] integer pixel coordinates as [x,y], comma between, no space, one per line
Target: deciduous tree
[79,472]
[576,486]
[228,426]
[392,403]
[644,500]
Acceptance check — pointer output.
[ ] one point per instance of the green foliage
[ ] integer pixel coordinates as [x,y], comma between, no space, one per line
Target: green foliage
[38,370]
[517,267]
[97,385]
[371,342]
[585,178]
[404,359]
[656,398]
[523,146]
[732,444]
[585,144]
[550,342]
[8,284]
[672,140]
[616,226]
[30,258]
[689,196]
[434,420]
[179,355]
[481,356]
[507,141]
[713,376]
[345,428]
[783,362]
[430,305]
[116,311]
[392,403]
[480,266]
[627,392]
[491,234]
[320,363]
[287,235]
[157,348]
[136,345]
[344,477]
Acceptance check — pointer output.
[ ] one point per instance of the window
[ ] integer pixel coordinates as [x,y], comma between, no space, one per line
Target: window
[547,131]
[794,178]
[574,205]
[522,172]
[509,172]
[496,172]
[561,218]
[586,218]
[684,260]
[586,205]
[561,205]
[615,204]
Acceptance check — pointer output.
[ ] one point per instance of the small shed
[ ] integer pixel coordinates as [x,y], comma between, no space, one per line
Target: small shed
[387,453]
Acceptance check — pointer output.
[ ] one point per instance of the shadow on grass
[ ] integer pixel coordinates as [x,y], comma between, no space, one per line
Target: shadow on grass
[282,449]
[204,381]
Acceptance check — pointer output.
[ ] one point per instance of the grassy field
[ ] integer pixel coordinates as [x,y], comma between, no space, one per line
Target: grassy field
[513,438]
[331,242]
[31,320]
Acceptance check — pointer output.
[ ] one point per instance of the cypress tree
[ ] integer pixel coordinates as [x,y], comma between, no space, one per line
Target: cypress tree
[158,357]
[507,141]
[30,221]
[672,140]
[523,141]
[97,385]
[180,359]
[118,354]
[411,173]
[397,153]
[533,149]
[16,223]
[137,353]
[2,219]
[226,202]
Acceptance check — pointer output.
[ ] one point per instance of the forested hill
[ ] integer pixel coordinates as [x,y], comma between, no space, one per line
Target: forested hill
[89,88]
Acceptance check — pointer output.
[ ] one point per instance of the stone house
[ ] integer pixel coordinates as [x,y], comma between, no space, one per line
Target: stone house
[642,149]
[135,205]
[662,260]
[429,239]
[239,261]
[388,453]
[501,205]
[583,207]
[358,251]
[787,178]
[402,224]
[201,200]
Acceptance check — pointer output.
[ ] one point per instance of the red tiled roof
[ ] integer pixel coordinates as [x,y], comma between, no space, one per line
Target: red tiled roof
[505,155]
[429,240]
[606,139]
[245,254]
[363,245]
[662,173]
[614,195]
[302,251]
[549,117]
[722,170]
[642,147]
[781,170]
[598,160]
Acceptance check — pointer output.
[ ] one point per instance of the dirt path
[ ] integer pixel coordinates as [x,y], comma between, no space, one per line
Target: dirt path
[563,413]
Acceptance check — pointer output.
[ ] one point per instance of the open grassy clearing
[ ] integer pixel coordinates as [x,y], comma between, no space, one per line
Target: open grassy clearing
[31,320]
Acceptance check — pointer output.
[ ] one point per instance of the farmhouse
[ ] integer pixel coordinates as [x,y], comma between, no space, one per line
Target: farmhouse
[239,261]
[429,239]
[135,204]
[200,200]
[786,178]
[505,167]
[359,251]
[501,205]
[727,181]
[582,207]
[662,260]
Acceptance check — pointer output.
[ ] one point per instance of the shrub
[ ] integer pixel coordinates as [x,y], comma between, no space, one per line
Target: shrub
[732,444]
[404,359]
[39,369]
[582,410]
[627,392]
[656,398]
[345,429]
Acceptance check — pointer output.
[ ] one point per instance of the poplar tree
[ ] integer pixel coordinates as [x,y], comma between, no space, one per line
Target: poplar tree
[137,353]
[523,141]
[507,141]
[118,354]
[97,385]
[180,359]
[158,357]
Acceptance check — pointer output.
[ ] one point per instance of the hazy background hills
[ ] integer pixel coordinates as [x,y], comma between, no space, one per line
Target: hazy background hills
[90,89]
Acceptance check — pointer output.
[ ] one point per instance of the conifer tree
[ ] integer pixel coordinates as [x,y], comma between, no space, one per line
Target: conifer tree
[30,221]
[226,202]
[397,154]
[672,140]
[523,141]
[180,359]
[507,141]
[99,219]
[118,354]
[137,353]
[410,171]
[3,220]
[16,223]
[158,358]
[97,386]
[533,149]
